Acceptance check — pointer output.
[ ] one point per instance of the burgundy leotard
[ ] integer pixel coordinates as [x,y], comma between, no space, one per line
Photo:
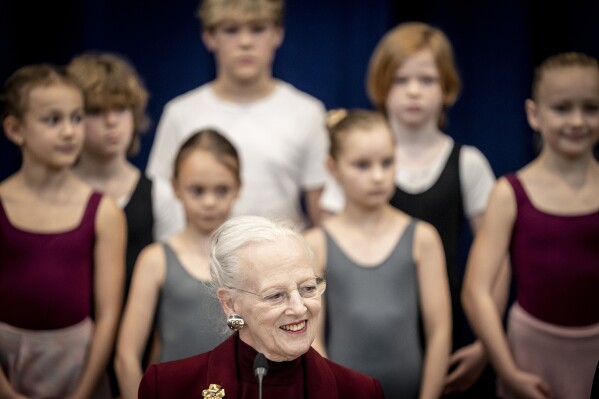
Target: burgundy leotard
[555,259]
[46,278]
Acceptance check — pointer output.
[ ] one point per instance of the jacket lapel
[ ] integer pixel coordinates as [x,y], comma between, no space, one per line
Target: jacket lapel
[222,367]
[320,381]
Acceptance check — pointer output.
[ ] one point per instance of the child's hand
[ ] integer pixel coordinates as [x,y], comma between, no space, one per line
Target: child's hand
[465,367]
[528,386]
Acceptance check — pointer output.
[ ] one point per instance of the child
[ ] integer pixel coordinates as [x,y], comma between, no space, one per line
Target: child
[170,277]
[412,79]
[385,270]
[61,248]
[278,129]
[115,116]
[547,216]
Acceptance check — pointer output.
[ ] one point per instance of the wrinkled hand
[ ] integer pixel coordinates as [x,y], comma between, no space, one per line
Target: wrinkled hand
[466,365]
[525,385]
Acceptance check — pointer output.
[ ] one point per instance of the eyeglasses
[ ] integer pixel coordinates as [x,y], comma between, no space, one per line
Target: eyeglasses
[309,289]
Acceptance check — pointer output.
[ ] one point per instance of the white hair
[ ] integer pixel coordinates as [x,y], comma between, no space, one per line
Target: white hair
[239,232]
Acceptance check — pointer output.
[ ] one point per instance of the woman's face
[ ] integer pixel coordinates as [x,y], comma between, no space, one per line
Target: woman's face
[282,331]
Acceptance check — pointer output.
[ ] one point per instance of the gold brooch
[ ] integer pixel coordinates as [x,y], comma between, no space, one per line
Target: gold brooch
[213,391]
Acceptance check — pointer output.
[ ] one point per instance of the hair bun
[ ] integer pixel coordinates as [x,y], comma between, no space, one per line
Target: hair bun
[335,116]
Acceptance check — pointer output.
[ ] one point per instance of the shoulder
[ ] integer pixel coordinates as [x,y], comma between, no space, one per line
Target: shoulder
[109,214]
[107,206]
[188,377]
[153,250]
[314,235]
[316,240]
[152,260]
[473,161]
[469,153]
[182,367]
[503,190]
[177,378]
[476,180]
[426,243]
[353,384]
[161,188]
[9,185]
[294,95]
[189,98]
[425,234]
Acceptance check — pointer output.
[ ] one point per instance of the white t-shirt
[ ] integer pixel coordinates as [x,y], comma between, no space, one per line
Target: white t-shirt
[281,141]
[169,217]
[476,177]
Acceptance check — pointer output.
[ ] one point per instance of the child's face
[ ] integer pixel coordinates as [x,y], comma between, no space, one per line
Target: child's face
[207,189]
[365,166]
[108,132]
[566,112]
[244,51]
[416,97]
[51,131]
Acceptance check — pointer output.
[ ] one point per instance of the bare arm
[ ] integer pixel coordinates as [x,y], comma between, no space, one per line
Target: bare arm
[502,282]
[316,240]
[319,342]
[313,205]
[485,263]
[148,277]
[109,275]
[435,307]
[468,362]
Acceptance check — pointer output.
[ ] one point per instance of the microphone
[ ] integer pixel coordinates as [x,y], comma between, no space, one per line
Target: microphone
[260,370]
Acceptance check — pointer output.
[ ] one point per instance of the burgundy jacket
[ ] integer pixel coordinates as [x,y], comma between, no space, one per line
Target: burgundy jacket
[187,378]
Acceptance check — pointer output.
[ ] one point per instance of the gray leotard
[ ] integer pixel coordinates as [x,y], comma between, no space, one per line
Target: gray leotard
[373,316]
[187,313]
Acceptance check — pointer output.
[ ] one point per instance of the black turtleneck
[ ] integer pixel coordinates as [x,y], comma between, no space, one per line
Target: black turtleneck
[283,380]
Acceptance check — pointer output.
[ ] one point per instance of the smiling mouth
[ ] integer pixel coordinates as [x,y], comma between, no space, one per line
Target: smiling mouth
[295,327]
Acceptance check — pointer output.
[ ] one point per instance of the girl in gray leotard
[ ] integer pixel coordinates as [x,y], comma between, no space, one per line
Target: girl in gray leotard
[372,345]
[386,278]
[169,278]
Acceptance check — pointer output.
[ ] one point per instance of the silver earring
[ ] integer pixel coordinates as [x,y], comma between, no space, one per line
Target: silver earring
[235,322]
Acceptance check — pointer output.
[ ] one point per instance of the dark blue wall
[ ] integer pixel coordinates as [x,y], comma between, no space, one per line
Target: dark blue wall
[326,51]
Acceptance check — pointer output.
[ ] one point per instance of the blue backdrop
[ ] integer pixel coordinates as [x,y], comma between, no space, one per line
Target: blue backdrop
[325,53]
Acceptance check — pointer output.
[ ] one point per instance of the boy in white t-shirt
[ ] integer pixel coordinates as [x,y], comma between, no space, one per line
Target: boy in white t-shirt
[278,129]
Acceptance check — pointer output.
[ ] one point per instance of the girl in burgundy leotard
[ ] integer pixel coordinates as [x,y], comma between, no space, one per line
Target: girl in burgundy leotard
[61,248]
[546,216]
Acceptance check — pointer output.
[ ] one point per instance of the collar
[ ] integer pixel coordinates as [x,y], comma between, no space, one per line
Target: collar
[319,379]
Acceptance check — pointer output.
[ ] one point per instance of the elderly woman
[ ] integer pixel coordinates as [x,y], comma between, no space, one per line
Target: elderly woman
[266,282]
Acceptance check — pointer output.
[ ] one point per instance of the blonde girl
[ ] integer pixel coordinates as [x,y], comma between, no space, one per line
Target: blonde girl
[546,215]
[385,270]
[413,79]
